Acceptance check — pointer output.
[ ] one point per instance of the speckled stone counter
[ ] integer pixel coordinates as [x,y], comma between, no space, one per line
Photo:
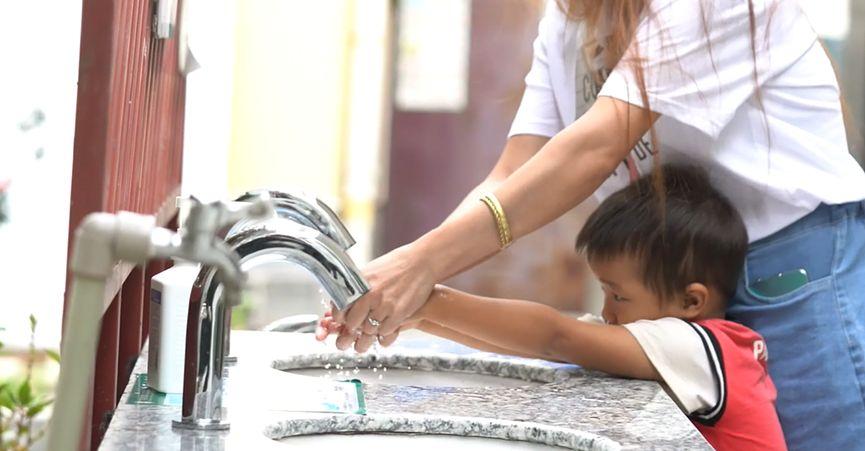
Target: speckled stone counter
[566,407]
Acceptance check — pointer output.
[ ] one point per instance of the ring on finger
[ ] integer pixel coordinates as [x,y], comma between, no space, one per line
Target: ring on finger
[373,322]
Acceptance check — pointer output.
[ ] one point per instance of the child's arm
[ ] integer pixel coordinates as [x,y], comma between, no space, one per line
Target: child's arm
[537,330]
[472,342]
[327,326]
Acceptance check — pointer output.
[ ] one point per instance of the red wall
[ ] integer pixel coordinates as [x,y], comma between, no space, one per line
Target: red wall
[127,156]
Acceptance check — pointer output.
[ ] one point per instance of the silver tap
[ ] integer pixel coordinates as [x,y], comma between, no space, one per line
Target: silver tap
[101,240]
[198,240]
[210,310]
[300,207]
[303,208]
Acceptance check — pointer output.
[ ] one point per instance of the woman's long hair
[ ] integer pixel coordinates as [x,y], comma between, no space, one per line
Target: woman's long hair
[610,27]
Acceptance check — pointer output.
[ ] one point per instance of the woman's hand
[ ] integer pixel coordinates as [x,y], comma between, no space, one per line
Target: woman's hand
[400,282]
[328,326]
[402,279]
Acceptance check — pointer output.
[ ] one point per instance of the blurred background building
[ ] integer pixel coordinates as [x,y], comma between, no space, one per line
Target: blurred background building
[389,110]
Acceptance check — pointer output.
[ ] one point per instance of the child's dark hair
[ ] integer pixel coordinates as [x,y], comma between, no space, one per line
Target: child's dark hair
[688,233]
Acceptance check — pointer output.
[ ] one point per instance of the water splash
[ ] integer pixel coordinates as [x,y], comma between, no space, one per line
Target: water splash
[324,298]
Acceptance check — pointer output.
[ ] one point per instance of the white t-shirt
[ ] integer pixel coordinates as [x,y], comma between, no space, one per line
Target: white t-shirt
[710,113]
[679,354]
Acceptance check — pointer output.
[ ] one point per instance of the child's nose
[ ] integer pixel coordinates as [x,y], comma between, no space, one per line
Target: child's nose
[607,314]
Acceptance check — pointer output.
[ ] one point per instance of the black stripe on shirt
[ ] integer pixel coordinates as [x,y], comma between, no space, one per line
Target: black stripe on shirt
[711,416]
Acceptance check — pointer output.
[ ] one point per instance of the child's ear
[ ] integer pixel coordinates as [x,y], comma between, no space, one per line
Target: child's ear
[695,300]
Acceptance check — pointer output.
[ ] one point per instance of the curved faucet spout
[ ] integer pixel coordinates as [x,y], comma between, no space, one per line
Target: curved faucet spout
[302,208]
[322,257]
[210,306]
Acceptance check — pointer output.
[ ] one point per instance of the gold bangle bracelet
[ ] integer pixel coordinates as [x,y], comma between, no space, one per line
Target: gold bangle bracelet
[504,231]
[499,229]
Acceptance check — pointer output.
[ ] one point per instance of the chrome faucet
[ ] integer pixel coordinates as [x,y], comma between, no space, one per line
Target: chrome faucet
[300,207]
[275,240]
[198,240]
[103,239]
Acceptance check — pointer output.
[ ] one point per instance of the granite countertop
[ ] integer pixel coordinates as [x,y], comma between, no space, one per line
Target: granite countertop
[567,406]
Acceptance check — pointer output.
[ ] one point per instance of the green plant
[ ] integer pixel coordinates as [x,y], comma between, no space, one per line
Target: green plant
[19,405]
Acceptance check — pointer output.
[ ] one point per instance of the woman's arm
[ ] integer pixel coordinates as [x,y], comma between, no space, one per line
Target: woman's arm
[518,149]
[537,330]
[567,169]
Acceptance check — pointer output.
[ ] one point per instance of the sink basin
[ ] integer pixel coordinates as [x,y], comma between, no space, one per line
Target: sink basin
[430,394]
[417,378]
[401,442]
[401,431]
[426,370]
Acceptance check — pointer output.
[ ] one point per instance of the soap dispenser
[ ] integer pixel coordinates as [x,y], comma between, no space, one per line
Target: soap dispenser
[169,308]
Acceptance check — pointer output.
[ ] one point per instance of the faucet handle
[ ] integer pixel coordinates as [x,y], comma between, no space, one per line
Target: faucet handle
[257,207]
[210,217]
[198,239]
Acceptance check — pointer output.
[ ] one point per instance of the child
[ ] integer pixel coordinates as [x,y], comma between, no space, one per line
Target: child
[666,273]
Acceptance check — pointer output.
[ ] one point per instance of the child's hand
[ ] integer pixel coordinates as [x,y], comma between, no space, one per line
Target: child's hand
[327,326]
[411,323]
[414,321]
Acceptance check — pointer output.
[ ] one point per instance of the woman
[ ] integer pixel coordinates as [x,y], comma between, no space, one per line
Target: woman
[742,88]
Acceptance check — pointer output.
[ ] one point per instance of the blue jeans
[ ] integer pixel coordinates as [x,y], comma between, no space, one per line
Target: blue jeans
[815,334]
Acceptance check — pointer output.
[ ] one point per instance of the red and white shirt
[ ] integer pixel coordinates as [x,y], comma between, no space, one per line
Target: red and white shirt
[716,370]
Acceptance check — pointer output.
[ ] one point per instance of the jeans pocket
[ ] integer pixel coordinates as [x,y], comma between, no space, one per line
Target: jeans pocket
[812,250]
[747,296]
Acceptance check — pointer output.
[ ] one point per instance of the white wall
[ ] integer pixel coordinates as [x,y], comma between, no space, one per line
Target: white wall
[207,125]
[39,52]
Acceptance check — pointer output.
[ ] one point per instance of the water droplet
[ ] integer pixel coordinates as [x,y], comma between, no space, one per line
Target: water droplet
[380,376]
[327,366]
[374,370]
[384,369]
